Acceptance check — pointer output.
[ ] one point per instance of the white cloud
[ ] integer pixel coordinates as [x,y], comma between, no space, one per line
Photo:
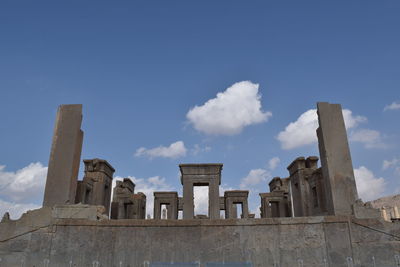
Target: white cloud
[16,209]
[390,163]
[368,186]
[392,106]
[175,150]
[147,186]
[25,184]
[273,163]
[22,190]
[201,198]
[370,138]
[254,178]
[303,131]
[232,110]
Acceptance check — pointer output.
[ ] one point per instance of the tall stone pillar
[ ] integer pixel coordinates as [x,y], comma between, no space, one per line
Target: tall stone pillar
[65,157]
[213,199]
[337,167]
[188,201]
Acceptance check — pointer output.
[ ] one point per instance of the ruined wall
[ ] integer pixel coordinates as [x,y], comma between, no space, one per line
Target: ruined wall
[308,241]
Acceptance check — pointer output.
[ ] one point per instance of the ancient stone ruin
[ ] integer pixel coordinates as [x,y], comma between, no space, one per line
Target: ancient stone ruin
[313,217]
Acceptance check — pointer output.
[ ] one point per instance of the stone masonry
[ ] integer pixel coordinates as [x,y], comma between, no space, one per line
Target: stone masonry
[126,204]
[65,156]
[95,188]
[312,218]
[337,167]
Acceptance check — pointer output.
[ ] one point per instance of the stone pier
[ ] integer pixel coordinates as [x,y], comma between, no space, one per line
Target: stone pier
[337,167]
[65,157]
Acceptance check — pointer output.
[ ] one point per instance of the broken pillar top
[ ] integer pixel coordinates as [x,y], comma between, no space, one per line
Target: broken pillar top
[98,165]
[126,183]
[297,164]
[202,170]
[302,163]
[336,164]
[275,183]
[312,162]
[65,153]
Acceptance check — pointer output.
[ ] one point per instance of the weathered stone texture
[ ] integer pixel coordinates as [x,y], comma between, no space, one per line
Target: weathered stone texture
[170,200]
[65,156]
[95,188]
[283,242]
[201,175]
[337,167]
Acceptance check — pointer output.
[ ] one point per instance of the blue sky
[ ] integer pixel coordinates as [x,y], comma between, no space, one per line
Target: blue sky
[140,67]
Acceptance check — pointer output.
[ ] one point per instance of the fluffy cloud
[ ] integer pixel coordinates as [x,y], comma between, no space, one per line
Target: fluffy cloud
[254,178]
[232,110]
[175,150]
[273,163]
[22,190]
[147,186]
[368,186]
[370,138]
[302,131]
[392,106]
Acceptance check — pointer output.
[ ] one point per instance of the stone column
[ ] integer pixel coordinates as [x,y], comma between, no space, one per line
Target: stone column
[65,156]
[337,167]
[188,202]
[157,210]
[245,209]
[213,199]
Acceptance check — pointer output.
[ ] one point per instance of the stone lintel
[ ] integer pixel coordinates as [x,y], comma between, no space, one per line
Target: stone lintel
[206,170]
[236,193]
[166,194]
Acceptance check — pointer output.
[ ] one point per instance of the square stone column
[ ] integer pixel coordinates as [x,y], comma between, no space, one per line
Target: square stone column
[188,200]
[201,175]
[337,167]
[63,169]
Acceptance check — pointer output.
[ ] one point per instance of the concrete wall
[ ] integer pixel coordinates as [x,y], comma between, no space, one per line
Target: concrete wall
[310,241]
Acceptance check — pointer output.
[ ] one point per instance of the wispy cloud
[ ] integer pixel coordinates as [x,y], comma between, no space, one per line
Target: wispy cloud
[273,163]
[232,110]
[370,138]
[174,150]
[393,106]
[254,178]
